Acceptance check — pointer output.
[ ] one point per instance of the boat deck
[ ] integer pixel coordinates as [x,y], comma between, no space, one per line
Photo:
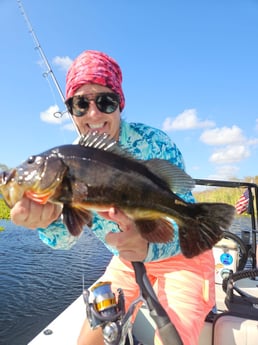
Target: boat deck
[66,327]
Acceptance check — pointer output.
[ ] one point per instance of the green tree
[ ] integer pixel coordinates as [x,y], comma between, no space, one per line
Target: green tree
[4,210]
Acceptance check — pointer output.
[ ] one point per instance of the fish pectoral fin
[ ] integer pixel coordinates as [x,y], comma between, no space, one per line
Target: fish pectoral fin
[76,218]
[205,229]
[156,230]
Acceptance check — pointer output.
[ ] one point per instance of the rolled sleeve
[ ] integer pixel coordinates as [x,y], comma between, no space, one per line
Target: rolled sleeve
[57,236]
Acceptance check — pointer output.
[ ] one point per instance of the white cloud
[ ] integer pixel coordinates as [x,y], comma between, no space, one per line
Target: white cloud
[63,62]
[49,115]
[230,154]
[224,172]
[222,136]
[252,142]
[233,146]
[69,126]
[186,120]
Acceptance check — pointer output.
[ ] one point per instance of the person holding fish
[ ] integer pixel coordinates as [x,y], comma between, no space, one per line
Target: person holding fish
[174,241]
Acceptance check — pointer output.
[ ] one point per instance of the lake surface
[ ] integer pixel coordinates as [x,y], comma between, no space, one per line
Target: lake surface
[37,282]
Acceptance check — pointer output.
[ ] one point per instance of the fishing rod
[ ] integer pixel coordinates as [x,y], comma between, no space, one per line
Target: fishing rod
[167,330]
[49,70]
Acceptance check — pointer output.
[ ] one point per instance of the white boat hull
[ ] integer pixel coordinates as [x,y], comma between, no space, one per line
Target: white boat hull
[66,327]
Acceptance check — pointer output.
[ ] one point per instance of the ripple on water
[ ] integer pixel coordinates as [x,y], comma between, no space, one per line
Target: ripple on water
[37,283]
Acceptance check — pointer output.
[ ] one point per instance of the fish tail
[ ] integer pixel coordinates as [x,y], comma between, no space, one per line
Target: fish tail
[156,230]
[204,227]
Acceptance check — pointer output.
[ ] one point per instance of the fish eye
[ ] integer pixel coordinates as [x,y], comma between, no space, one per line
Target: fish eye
[34,160]
[31,159]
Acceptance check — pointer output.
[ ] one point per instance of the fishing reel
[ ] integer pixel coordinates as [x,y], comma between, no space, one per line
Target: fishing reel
[104,311]
[117,325]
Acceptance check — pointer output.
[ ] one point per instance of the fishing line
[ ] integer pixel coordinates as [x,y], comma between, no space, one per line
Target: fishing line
[49,71]
[58,114]
[45,75]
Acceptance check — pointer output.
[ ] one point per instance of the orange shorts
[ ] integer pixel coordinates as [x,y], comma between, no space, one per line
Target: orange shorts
[185,288]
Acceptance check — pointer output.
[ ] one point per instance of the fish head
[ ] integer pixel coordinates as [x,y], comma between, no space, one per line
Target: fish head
[9,194]
[38,178]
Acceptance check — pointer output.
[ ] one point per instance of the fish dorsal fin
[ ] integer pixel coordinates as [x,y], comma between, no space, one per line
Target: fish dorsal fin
[176,179]
[97,141]
[103,141]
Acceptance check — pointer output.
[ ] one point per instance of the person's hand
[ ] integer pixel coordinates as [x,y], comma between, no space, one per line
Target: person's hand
[32,215]
[128,242]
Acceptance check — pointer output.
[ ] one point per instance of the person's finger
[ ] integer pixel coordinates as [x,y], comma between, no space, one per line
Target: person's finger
[30,214]
[124,222]
[112,239]
[129,247]
[51,212]
[21,211]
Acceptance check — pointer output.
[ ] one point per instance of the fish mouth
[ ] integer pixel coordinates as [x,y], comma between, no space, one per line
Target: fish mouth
[7,176]
[8,188]
[14,189]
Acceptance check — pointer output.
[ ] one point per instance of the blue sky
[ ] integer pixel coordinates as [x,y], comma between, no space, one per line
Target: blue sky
[189,68]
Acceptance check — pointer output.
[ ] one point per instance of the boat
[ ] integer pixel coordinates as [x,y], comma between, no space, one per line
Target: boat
[233,322]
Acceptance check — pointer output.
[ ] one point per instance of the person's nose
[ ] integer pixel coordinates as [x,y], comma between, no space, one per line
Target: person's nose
[93,111]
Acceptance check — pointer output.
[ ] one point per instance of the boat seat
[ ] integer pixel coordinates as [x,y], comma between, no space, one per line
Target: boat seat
[233,330]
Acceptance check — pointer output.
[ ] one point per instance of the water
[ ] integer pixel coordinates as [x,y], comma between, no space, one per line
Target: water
[37,282]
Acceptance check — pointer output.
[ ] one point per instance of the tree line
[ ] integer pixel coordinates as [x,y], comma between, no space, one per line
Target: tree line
[4,210]
[223,194]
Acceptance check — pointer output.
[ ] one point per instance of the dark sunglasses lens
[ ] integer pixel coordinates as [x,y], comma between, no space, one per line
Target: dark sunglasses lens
[107,103]
[80,106]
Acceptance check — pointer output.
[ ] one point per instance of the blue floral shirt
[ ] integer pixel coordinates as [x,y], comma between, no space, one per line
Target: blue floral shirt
[142,142]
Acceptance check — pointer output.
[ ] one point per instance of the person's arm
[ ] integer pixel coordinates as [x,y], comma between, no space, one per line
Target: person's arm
[128,241]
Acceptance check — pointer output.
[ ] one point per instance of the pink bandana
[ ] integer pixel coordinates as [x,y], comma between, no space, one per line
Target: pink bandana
[94,67]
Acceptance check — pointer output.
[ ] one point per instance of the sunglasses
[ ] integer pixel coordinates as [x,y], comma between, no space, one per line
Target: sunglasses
[106,102]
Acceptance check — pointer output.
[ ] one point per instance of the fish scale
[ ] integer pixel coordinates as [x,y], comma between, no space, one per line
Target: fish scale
[97,174]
